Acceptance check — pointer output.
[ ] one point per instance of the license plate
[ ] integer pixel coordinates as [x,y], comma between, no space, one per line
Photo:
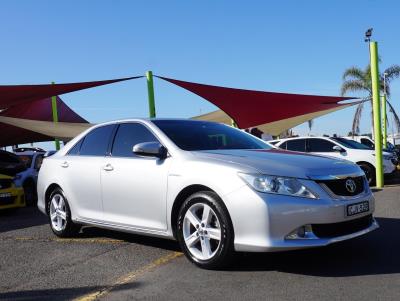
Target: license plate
[358,208]
[5,195]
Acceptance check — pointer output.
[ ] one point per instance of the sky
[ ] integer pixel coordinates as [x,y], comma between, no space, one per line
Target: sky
[280,46]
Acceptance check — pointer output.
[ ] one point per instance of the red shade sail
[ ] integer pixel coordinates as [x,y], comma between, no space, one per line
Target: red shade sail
[35,110]
[17,94]
[252,108]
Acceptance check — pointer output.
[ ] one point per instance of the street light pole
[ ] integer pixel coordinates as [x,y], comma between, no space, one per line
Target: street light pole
[384,116]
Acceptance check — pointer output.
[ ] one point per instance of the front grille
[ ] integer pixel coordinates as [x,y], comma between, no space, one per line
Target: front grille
[343,228]
[339,186]
[5,183]
[7,201]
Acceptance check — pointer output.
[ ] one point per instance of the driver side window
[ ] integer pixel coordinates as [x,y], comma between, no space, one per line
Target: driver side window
[127,136]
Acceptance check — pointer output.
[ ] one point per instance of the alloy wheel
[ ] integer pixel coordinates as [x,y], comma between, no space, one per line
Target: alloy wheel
[201,231]
[58,215]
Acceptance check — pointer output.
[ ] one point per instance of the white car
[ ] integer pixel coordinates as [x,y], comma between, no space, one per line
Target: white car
[212,187]
[341,148]
[28,178]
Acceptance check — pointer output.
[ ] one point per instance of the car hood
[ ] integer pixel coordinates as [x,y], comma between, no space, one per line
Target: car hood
[284,163]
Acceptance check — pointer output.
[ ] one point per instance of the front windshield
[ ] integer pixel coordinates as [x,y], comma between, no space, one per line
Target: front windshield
[350,143]
[191,135]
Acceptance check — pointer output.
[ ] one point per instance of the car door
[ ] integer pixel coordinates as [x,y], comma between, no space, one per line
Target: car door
[80,172]
[323,147]
[134,187]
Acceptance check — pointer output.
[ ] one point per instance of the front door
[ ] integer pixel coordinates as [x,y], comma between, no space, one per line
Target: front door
[134,187]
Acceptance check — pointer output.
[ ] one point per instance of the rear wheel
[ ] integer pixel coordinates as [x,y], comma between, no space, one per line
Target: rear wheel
[205,231]
[60,215]
[369,172]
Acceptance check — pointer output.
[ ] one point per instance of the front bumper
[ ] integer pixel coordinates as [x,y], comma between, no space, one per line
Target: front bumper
[15,198]
[262,222]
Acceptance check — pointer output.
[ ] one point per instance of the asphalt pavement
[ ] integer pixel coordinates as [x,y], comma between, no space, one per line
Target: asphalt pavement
[107,265]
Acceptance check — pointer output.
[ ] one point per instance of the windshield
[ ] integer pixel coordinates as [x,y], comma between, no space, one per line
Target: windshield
[191,135]
[350,143]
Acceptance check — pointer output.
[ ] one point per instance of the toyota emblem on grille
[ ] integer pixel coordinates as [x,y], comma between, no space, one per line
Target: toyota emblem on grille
[351,185]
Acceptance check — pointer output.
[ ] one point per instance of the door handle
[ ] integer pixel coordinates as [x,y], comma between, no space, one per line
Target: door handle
[64,164]
[108,167]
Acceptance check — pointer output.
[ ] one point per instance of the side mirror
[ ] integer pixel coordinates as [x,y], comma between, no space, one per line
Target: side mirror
[150,149]
[337,148]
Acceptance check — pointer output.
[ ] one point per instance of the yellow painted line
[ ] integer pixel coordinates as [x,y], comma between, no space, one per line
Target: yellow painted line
[65,240]
[129,277]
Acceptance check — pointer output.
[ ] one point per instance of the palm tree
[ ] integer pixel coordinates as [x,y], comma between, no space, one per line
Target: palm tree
[357,80]
[310,125]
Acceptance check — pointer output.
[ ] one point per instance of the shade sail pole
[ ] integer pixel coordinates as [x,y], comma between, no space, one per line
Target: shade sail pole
[377,113]
[55,116]
[150,90]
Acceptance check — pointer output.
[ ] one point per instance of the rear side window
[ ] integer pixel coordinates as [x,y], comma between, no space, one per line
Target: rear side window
[298,145]
[367,142]
[128,135]
[96,142]
[320,145]
[283,145]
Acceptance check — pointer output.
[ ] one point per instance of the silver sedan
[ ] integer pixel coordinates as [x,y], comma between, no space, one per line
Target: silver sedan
[212,187]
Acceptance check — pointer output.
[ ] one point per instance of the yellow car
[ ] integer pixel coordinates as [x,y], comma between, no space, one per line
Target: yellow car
[10,196]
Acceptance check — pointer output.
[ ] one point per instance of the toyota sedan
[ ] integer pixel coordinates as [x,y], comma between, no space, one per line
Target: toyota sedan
[214,188]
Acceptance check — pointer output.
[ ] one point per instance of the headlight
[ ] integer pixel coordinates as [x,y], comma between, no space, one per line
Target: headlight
[278,185]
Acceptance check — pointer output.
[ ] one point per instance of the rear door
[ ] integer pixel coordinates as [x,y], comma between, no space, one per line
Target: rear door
[80,170]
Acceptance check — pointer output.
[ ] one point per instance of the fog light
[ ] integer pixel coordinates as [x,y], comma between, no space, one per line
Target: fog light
[303,232]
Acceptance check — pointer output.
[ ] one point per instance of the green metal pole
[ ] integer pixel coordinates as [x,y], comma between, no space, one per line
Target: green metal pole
[384,123]
[233,123]
[55,117]
[150,90]
[377,113]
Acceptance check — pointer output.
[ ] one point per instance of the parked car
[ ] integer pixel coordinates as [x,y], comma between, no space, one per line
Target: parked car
[10,195]
[212,187]
[10,164]
[28,178]
[340,148]
[367,141]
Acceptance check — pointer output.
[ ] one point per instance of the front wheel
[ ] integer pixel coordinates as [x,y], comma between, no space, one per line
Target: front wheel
[60,215]
[205,231]
[369,172]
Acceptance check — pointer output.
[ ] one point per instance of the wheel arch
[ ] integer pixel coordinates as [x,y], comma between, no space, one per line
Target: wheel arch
[47,194]
[182,196]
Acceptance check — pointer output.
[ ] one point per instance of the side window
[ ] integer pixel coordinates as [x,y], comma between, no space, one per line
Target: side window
[298,145]
[128,135]
[96,142]
[367,142]
[320,145]
[75,150]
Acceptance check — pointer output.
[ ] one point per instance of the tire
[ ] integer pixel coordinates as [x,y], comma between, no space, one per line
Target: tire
[369,172]
[59,214]
[30,193]
[198,237]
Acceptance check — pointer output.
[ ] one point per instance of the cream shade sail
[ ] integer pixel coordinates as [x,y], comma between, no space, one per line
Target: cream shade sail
[61,130]
[274,128]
